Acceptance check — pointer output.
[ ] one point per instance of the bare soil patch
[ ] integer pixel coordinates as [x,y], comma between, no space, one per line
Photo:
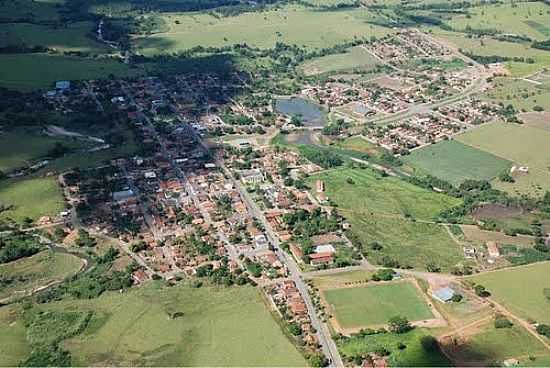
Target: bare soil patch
[539,120]
[395,84]
[496,211]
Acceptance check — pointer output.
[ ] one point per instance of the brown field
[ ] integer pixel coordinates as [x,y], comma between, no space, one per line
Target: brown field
[392,83]
[539,120]
[475,235]
[496,211]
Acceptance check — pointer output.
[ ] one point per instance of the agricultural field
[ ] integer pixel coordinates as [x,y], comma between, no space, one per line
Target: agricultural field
[507,287]
[474,234]
[38,270]
[539,120]
[14,346]
[374,305]
[290,24]
[491,345]
[384,210]
[455,162]
[74,37]
[26,72]
[31,198]
[521,94]
[414,355]
[515,143]
[206,329]
[529,19]
[357,58]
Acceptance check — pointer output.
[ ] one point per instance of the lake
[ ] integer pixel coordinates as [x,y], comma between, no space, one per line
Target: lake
[311,114]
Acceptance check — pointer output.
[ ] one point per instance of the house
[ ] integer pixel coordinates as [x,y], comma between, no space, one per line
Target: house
[469,252]
[296,252]
[122,195]
[320,186]
[62,85]
[252,176]
[321,258]
[444,295]
[492,249]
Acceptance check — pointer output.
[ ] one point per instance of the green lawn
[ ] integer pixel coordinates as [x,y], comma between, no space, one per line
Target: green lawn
[455,162]
[413,355]
[218,327]
[35,271]
[376,304]
[357,58]
[32,71]
[289,24]
[31,198]
[508,287]
[520,144]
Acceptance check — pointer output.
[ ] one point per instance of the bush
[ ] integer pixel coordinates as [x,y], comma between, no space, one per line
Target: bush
[429,343]
[481,291]
[399,324]
[544,330]
[502,322]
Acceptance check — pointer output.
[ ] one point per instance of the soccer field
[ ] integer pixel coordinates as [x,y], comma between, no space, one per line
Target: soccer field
[374,305]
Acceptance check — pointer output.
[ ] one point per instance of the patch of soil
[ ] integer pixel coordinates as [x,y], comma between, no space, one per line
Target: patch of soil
[496,211]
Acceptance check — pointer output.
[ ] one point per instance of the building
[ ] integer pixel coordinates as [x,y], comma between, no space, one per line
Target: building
[122,195]
[320,186]
[444,295]
[492,249]
[252,176]
[62,85]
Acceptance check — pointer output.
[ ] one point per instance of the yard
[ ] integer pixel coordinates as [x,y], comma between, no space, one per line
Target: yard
[213,327]
[31,198]
[455,162]
[357,58]
[508,287]
[38,270]
[374,305]
[515,143]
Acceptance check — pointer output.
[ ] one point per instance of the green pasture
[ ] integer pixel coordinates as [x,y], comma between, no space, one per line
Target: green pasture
[290,24]
[14,346]
[455,162]
[356,58]
[216,326]
[38,270]
[521,94]
[360,144]
[508,287]
[31,198]
[26,72]
[376,304]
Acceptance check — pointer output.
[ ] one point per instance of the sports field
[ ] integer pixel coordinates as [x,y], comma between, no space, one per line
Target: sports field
[31,71]
[455,162]
[38,270]
[374,305]
[225,326]
[290,24]
[31,198]
[523,146]
[357,58]
[508,287]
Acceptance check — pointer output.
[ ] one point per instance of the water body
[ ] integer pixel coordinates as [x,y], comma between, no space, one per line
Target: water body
[311,114]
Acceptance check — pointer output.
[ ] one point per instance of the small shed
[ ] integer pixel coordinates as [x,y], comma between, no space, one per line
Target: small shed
[444,294]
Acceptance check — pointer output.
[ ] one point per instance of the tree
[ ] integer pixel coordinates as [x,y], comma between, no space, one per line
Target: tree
[502,322]
[295,329]
[84,239]
[543,329]
[318,360]
[481,291]
[399,324]
[429,343]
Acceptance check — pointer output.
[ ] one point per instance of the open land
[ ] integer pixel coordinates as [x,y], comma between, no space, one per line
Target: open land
[355,58]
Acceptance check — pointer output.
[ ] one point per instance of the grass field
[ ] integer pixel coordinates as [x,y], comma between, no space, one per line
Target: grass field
[455,162]
[230,327]
[521,94]
[360,145]
[412,356]
[72,38]
[31,198]
[376,304]
[496,345]
[32,71]
[377,208]
[13,343]
[357,58]
[290,24]
[36,11]
[19,148]
[516,143]
[508,287]
[35,271]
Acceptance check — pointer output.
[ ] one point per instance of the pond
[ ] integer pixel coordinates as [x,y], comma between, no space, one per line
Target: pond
[311,114]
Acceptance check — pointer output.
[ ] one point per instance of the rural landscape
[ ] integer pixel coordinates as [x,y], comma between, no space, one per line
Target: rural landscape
[275,183]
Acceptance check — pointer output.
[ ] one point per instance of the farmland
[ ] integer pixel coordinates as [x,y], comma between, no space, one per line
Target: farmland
[290,24]
[515,143]
[508,288]
[35,271]
[539,120]
[455,162]
[135,329]
[14,346]
[374,305]
[27,72]
[523,95]
[355,58]
[380,210]
[31,198]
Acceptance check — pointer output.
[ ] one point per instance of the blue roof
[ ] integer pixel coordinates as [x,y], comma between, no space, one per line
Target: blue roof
[62,84]
[444,294]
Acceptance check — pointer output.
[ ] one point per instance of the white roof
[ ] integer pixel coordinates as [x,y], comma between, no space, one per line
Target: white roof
[327,248]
